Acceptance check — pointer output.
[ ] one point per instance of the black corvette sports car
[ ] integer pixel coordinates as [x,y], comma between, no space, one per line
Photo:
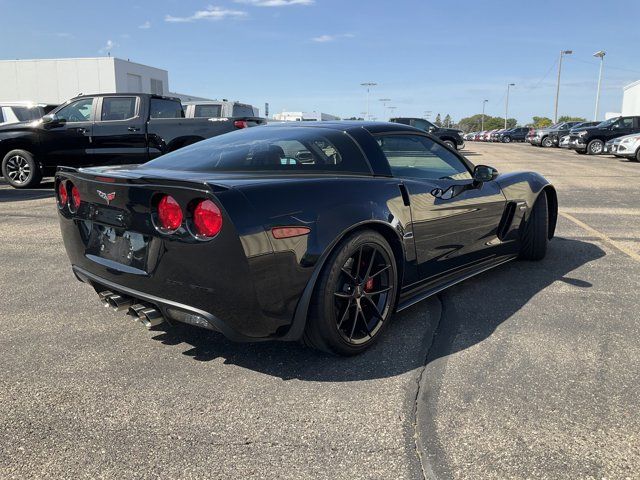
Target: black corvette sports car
[313,231]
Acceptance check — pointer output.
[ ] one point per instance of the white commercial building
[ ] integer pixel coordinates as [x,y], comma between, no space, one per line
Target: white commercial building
[57,80]
[304,117]
[631,99]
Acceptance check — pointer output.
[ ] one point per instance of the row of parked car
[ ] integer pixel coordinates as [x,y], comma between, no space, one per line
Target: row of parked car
[108,129]
[618,136]
[504,135]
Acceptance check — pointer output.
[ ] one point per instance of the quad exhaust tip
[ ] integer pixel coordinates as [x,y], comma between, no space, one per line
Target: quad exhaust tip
[145,314]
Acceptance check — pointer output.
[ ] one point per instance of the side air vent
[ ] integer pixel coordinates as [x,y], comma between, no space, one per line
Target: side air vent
[506,220]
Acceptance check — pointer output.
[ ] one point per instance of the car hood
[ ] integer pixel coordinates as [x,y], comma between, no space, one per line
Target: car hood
[449,130]
[11,127]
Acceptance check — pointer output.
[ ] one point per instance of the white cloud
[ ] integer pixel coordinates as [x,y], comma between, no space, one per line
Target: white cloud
[108,47]
[211,13]
[276,3]
[331,38]
[145,26]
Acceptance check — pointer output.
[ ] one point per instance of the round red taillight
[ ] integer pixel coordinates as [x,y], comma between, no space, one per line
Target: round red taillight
[75,197]
[207,219]
[169,213]
[63,196]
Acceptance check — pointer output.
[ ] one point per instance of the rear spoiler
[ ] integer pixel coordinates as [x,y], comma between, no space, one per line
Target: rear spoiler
[128,178]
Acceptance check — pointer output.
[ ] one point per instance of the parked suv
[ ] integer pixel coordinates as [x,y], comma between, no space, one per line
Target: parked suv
[516,134]
[562,130]
[591,140]
[16,112]
[450,137]
[544,136]
[627,147]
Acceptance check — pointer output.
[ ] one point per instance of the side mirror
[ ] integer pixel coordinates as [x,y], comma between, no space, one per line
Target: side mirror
[483,173]
[51,120]
[431,129]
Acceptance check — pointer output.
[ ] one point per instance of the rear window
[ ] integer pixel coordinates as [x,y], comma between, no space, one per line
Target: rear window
[240,110]
[163,108]
[208,111]
[291,150]
[26,114]
[118,108]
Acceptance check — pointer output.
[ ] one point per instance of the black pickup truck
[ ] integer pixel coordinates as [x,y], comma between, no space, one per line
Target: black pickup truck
[591,140]
[106,129]
[450,137]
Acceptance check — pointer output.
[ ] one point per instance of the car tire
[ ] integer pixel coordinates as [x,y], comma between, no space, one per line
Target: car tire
[535,235]
[546,142]
[345,317]
[595,147]
[450,144]
[20,169]
[506,140]
[637,157]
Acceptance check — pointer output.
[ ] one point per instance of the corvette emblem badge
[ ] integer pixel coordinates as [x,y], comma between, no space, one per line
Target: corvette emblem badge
[108,197]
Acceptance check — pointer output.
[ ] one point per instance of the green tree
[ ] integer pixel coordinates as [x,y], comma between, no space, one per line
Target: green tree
[447,121]
[567,118]
[438,121]
[542,122]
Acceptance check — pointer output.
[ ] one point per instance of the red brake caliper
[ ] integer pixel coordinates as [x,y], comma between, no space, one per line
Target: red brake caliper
[368,286]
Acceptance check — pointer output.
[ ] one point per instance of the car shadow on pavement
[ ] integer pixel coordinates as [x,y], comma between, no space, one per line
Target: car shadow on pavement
[10,194]
[405,345]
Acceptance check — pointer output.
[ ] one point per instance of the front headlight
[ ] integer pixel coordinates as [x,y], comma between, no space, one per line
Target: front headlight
[582,133]
[628,141]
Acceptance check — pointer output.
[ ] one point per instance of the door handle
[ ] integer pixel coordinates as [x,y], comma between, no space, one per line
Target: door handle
[82,130]
[134,129]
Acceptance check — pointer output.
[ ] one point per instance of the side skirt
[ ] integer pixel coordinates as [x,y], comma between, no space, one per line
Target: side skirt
[432,287]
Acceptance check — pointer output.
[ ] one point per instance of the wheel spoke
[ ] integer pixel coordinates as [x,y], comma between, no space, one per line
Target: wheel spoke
[377,292]
[376,312]
[373,257]
[342,295]
[355,322]
[383,269]
[348,274]
[359,261]
[345,314]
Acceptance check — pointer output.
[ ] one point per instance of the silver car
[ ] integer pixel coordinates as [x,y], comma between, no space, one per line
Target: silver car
[627,146]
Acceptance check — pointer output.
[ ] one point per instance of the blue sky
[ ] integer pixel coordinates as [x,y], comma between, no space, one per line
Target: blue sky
[444,56]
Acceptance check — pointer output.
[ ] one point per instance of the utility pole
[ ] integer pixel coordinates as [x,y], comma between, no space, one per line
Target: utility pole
[368,85]
[506,108]
[562,53]
[484,102]
[600,54]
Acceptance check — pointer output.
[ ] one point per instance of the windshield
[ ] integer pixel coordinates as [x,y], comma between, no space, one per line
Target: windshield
[607,123]
[286,149]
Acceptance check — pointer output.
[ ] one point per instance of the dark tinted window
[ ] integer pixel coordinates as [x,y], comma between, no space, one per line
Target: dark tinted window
[623,123]
[292,150]
[421,124]
[26,114]
[240,110]
[118,108]
[163,108]
[208,111]
[1,116]
[415,156]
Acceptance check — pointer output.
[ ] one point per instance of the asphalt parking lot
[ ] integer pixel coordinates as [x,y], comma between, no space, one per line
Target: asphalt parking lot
[531,370]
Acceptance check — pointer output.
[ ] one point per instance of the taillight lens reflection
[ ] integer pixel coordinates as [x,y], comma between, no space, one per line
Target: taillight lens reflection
[63,197]
[75,197]
[207,219]
[169,213]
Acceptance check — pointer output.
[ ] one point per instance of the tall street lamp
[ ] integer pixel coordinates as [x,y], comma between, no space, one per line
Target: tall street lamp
[368,86]
[600,54]
[562,53]
[484,102]
[384,105]
[506,107]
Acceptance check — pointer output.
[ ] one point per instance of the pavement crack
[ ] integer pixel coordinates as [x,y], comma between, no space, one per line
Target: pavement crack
[427,471]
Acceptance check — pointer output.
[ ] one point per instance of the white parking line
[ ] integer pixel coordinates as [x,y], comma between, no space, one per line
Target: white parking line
[602,236]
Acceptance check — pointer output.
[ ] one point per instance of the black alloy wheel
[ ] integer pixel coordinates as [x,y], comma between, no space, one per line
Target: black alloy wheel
[362,294]
[354,296]
[20,169]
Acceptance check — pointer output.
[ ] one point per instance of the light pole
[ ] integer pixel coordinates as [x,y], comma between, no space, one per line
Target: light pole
[368,85]
[506,107]
[484,102]
[600,54]
[562,53]
[384,105]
